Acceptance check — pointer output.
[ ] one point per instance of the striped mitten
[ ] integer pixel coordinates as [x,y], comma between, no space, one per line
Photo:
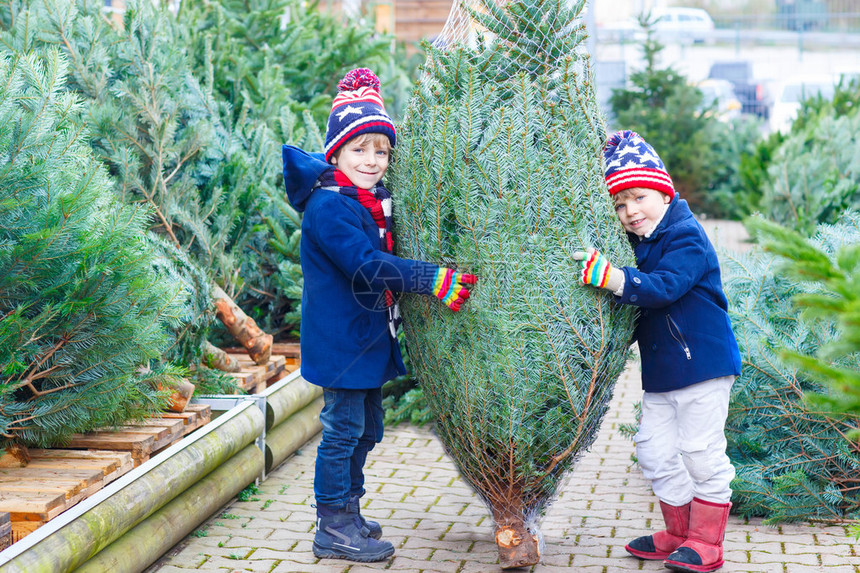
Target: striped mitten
[452,287]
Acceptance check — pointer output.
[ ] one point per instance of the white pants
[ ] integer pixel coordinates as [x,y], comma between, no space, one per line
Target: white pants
[681,443]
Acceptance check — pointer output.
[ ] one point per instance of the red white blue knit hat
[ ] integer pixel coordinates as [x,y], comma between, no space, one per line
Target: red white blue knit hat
[357,109]
[630,162]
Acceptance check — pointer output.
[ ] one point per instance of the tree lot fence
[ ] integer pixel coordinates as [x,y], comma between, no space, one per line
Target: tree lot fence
[803,17]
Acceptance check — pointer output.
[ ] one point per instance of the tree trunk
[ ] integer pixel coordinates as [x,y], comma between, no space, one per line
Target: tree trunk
[214,357]
[182,393]
[15,456]
[257,343]
[518,547]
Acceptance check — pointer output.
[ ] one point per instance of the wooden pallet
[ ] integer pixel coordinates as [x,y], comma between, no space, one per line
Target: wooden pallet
[54,481]
[290,349]
[253,378]
[145,439]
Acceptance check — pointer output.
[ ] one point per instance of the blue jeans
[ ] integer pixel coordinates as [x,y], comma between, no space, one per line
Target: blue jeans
[352,425]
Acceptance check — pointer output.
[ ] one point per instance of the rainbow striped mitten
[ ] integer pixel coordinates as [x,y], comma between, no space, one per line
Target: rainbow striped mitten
[452,287]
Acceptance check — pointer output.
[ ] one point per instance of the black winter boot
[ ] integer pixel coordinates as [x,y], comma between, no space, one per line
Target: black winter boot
[340,535]
[373,527]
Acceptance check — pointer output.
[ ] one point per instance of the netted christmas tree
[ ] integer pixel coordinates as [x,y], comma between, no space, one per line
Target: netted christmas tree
[85,301]
[794,458]
[498,172]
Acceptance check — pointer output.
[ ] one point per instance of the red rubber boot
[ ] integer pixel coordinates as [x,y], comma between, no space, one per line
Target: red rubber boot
[703,550]
[662,543]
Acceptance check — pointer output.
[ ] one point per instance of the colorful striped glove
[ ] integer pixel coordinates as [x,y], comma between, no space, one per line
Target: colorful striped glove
[596,270]
[452,287]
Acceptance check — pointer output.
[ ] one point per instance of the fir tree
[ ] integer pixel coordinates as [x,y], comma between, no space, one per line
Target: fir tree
[814,175]
[792,457]
[84,301]
[163,136]
[498,172]
[834,285]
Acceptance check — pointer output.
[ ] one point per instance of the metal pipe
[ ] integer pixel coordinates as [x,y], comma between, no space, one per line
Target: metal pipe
[289,399]
[287,437]
[147,541]
[80,533]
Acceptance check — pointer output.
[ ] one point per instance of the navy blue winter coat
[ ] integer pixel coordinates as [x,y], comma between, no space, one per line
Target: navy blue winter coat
[345,340]
[684,332]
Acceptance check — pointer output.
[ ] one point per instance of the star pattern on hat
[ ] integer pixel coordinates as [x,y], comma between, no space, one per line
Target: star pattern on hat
[631,162]
[636,153]
[348,110]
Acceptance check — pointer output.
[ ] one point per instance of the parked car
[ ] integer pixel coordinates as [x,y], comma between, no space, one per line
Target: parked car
[789,95]
[719,99]
[676,24]
[684,24]
[754,96]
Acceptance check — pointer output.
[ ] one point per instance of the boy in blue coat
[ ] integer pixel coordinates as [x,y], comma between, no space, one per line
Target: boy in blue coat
[689,355]
[349,313]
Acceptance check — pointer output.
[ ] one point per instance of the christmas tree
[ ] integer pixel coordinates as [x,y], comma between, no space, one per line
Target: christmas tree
[165,140]
[793,460]
[85,301]
[498,172]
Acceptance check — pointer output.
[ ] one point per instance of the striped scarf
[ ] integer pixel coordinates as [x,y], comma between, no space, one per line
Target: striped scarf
[378,203]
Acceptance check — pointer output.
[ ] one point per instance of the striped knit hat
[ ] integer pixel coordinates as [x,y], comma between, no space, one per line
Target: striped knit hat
[631,162]
[357,109]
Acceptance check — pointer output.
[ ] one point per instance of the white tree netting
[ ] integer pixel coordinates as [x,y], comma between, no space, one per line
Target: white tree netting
[498,172]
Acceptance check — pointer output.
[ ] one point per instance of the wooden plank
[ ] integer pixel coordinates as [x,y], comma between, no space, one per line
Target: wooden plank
[278,349]
[54,481]
[5,530]
[124,441]
[105,455]
[21,529]
[36,504]
[85,477]
[274,364]
[194,416]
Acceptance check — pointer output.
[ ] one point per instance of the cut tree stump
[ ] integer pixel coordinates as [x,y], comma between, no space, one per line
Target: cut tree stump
[15,456]
[244,329]
[518,547]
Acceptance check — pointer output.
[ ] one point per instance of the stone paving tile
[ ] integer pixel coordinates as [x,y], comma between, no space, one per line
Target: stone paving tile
[437,524]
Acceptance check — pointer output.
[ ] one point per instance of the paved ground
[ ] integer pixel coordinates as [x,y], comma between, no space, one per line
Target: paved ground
[438,525]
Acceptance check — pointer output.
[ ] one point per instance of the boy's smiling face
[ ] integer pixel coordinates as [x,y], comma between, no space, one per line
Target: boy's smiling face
[639,209]
[364,160]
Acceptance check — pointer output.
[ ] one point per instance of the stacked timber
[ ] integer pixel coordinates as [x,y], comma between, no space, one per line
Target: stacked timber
[253,378]
[145,439]
[53,481]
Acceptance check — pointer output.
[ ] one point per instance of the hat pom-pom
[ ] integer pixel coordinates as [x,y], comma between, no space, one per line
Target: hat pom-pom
[357,79]
[618,137]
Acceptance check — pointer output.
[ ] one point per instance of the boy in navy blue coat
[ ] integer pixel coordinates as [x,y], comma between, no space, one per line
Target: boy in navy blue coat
[349,313]
[689,355]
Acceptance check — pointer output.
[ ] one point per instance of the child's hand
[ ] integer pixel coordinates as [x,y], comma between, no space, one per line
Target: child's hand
[596,270]
[452,287]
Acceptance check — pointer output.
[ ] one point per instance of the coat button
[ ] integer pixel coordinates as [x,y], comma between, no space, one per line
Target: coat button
[633,298]
[637,281]
[654,347]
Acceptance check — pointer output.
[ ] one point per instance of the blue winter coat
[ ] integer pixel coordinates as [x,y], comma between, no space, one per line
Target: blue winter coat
[684,332]
[345,340]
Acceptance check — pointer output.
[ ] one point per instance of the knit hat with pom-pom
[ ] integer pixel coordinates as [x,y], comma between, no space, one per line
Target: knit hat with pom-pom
[630,162]
[356,110]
